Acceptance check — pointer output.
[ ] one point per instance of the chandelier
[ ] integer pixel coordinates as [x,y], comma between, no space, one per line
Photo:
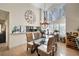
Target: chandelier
[45,23]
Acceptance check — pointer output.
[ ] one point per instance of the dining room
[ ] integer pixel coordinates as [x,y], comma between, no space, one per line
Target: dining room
[42,29]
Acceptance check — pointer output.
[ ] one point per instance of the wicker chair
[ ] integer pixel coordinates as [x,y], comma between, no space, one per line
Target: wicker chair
[49,49]
[37,35]
[75,34]
[29,41]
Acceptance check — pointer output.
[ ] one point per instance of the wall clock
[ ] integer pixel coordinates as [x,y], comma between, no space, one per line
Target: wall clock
[29,16]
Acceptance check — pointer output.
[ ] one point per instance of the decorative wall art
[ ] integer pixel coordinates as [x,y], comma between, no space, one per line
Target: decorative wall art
[30,16]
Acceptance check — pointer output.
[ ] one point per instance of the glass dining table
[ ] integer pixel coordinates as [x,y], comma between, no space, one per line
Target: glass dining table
[42,40]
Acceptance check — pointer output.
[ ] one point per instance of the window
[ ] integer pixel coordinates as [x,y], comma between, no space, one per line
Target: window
[56,26]
[62,29]
[54,15]
[50,27]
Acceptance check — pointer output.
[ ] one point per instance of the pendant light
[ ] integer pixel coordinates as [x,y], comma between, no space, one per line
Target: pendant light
[45,22]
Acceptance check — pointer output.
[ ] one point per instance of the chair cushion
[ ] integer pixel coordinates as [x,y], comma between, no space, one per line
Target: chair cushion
[31,43]
[43,48]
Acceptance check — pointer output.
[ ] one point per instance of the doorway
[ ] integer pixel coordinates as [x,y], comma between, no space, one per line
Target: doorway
[2,32]
[4,29]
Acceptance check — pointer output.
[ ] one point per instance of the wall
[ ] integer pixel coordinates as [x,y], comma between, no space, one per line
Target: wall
[72,17]
[16,17]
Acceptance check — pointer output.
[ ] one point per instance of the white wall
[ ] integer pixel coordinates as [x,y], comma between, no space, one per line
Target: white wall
[72,17]
[16,17]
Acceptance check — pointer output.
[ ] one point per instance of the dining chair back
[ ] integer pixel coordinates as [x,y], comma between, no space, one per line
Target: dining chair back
[29,37]
[29,41]
[51,42]
[37,35]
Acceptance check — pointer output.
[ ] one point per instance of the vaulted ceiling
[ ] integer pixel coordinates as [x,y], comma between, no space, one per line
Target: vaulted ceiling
[46,6]
[37,5]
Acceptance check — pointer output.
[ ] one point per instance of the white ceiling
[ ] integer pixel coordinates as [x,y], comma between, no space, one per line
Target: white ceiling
[45,6]
[42,5]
